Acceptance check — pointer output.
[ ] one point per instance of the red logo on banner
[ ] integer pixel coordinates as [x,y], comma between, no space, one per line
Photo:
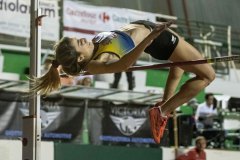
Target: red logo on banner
[104,17]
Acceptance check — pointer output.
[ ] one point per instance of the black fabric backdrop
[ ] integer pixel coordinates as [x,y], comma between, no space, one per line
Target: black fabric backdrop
[62,119]
[59,121]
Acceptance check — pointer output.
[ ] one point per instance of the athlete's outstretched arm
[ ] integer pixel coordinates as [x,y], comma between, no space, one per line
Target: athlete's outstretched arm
[97,67]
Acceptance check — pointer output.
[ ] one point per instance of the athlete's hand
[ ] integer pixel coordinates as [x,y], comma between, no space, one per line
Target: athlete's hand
[159,29]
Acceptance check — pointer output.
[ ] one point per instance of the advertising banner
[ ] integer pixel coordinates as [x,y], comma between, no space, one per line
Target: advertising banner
[59,121]
[15,18]
[122,124]
[82,20]
[62,119]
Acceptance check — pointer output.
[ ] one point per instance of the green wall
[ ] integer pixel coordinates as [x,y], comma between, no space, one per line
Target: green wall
[158,78]
[16,62]
[66,151]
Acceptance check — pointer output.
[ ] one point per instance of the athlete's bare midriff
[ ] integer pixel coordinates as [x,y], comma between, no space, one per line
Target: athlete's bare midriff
[136,31]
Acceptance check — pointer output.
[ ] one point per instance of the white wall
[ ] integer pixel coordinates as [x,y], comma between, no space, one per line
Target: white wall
[222,155]
[169,154]
[12,150]
[230,85]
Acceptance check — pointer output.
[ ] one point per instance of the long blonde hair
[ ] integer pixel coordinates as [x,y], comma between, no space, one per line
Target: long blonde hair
[66,55]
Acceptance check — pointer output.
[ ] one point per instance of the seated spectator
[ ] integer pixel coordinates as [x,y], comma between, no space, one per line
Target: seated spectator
[65,81]
[84,80]
[196,153]
[205,113]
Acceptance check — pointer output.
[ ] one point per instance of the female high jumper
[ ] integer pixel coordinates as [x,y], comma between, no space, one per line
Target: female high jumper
[116,51]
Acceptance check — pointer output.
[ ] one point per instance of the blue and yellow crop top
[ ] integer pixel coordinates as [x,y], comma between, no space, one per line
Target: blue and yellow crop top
[119,45]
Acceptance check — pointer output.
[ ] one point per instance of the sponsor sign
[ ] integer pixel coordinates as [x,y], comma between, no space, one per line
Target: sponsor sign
[127,124]
[81,20]
[15,18]
[58,122]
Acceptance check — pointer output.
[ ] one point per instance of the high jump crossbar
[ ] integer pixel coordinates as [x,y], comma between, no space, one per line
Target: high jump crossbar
[183,63]
[172,64]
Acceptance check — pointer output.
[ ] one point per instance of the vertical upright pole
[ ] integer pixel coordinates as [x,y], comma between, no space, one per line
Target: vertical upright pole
[170,8]
[229,28]
[185,11]
[31,141]
[230,52]
[85,135]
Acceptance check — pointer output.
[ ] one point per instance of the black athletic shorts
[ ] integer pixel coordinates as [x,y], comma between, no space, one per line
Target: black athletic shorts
[163,46]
